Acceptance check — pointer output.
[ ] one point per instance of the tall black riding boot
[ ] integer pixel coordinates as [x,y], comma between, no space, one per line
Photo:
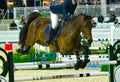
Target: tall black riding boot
[50,36]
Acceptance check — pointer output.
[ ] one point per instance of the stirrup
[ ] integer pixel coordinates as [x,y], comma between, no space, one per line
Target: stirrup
[47,42]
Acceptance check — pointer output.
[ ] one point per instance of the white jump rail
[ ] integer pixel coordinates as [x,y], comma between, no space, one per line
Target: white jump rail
[62,76]
[9,36]
[67,64]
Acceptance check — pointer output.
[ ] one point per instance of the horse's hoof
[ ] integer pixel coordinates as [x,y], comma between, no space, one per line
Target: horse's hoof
[86,60]
[78,64]
[84,64]
[22,52]
[18,50]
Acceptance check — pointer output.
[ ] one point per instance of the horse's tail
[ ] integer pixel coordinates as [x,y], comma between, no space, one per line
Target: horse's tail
[23,32]
[32,16]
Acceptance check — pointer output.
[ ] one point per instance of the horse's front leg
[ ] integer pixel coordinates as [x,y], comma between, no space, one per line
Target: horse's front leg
[79,61]
[85,49]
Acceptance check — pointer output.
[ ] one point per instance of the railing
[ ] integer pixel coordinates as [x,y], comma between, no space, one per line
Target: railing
[94,10]
[111,34]
[9,37]
[24,11]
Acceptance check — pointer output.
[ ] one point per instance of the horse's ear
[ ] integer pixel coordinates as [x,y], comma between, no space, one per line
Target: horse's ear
[87,17]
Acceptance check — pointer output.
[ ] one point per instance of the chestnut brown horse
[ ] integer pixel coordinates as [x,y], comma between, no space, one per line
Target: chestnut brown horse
[69,40]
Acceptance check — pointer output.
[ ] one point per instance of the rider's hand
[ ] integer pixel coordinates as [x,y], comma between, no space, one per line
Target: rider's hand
[67,17]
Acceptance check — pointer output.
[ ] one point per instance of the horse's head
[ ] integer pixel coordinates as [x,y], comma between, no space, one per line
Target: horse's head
[86,27]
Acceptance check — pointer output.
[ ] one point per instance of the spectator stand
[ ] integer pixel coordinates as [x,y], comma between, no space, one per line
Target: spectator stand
[13,25]
[19,26]
[104,24]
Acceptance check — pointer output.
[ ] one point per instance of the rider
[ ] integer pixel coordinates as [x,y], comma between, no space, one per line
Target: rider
[67,9]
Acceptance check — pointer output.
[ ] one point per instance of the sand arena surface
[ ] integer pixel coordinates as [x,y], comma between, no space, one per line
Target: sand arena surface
[27,73]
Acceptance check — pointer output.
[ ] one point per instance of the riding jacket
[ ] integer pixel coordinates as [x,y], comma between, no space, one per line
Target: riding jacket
[66,8]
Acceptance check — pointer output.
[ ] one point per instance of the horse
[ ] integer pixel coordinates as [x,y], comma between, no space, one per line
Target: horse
[69,40]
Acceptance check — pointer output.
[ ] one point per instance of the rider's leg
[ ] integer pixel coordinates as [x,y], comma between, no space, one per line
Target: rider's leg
[54,23]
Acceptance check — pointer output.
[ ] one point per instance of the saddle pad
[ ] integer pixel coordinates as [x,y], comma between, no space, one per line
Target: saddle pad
[59,29]
[47,29]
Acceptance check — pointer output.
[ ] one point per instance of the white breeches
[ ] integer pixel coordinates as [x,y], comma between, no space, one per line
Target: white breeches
[54,20]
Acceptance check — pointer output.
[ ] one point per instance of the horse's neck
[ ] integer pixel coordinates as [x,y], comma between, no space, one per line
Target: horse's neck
[71,27]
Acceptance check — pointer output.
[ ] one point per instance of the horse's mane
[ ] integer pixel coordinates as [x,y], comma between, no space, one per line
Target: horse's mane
[86,17]
[24,30]
[73,23]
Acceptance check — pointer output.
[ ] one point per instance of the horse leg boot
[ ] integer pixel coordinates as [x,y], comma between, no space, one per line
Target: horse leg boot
[50,36]
[86,60]
[79,62]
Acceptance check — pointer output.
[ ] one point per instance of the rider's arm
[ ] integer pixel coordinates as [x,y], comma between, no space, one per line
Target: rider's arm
[73,9]
[65,13]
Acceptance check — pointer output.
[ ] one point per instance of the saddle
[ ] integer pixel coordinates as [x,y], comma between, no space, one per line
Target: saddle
[57,31]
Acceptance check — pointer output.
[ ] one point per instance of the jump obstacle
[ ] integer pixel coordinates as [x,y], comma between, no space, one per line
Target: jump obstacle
[59,65]
[9,67]
[95,60]
[62,76]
